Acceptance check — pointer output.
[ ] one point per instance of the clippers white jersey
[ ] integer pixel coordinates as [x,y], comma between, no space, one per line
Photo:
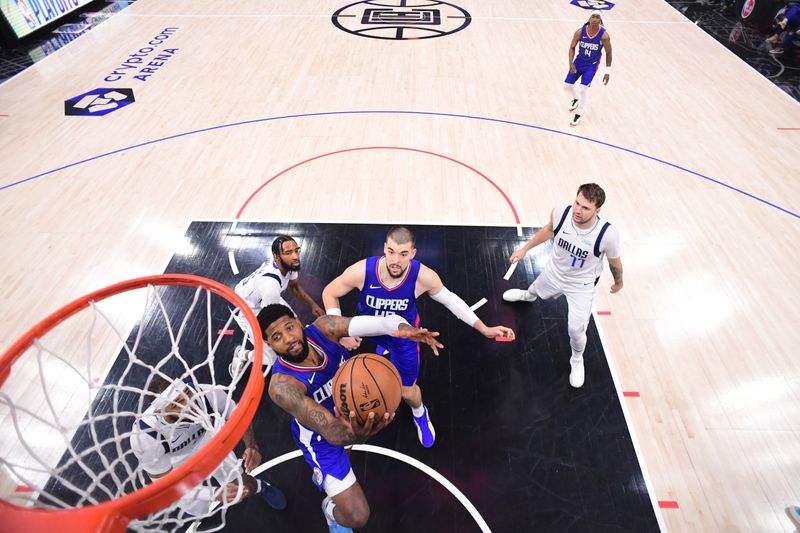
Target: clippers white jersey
[160,446]
[264,286]
[577,258]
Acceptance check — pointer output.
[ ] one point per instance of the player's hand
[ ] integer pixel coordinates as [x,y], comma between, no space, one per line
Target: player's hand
[518,255]
[605,79]
[499,331]
[572,68]
[616,287]
[230,491]
[350,343]
[362,432]
[251,458]
[419,335]
[317,311]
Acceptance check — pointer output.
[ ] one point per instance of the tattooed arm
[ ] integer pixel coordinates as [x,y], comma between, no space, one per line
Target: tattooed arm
[290,395]
[616,270]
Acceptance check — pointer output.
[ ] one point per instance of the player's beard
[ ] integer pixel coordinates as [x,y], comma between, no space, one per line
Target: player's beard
[290,268]
[396,276]
[297,359]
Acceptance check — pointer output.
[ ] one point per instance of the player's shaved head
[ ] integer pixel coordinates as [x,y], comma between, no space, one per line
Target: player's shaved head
[401,235]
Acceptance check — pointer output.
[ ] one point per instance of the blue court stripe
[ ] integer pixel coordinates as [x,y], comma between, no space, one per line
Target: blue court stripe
[423,113]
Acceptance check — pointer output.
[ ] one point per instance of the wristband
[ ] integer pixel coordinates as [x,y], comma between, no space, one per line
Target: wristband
[335,311]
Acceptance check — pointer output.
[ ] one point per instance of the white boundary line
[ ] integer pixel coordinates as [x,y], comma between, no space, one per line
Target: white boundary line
[634,440]
[477,305]
[368,448]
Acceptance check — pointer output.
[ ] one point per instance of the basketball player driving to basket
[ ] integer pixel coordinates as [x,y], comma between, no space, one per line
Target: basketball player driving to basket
[308,359]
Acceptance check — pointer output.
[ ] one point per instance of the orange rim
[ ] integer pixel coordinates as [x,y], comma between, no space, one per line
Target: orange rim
[114,515]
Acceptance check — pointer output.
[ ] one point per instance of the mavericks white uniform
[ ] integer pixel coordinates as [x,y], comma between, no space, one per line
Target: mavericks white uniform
[575,267]
[159,447]
[260,289]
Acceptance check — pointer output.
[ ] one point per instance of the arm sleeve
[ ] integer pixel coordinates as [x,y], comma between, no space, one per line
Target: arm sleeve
[373,326]
[456,305]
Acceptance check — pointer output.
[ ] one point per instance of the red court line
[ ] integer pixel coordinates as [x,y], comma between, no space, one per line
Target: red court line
[604,313]
[668,504]
[630,394]
[503,339]
[281,173]
[224,332]
[23,488]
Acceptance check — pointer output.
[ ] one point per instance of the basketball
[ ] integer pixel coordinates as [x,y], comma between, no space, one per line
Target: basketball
[367,383]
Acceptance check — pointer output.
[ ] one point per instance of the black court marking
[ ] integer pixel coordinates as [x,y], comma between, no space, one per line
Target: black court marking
[526,449]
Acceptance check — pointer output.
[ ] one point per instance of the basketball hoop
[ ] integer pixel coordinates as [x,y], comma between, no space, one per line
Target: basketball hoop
[107,498]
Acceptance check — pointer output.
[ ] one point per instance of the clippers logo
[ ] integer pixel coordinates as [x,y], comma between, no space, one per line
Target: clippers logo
[747,8]
[317,476]
[401,20]
[593,4]
[98,102]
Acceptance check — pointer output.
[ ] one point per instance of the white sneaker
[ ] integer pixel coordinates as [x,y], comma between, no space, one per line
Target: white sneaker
[238,362]
[576,375]
[518,295]
[575,120]
[574,105]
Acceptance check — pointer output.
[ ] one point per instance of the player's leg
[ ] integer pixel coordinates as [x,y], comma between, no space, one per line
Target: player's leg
[345,505]
[544,286]
[581,90]
[404,355]
[569,87]
[580,309]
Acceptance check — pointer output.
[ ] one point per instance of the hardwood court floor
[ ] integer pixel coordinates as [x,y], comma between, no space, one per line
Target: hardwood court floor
[685,139]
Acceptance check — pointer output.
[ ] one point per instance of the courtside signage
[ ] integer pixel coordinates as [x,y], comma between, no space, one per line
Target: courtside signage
[26,16]
[137,67]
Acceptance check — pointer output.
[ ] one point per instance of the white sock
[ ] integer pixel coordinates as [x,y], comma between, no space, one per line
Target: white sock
[580,91]
[576,358]
[418,411]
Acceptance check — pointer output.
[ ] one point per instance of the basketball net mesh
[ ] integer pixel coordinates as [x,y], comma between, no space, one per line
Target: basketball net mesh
[69,420]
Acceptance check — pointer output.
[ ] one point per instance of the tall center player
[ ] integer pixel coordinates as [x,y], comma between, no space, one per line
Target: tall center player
[390,284]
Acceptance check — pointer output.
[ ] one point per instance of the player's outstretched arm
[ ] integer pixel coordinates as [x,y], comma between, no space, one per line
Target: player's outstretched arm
[406,331]
[430,282]
[615,265]
[543,235]
[351,278]
[302,295]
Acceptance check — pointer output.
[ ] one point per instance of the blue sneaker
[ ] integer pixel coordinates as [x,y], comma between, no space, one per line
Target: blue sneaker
[333,526]
[274,496]
[794,513]
[425,430]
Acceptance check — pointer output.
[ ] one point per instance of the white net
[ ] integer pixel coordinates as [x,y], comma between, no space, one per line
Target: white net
[109,400]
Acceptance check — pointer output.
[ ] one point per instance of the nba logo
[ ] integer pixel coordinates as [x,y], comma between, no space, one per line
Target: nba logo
[401,20]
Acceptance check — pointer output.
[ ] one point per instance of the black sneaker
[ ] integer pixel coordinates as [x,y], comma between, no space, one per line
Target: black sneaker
[575,120]
[574,105]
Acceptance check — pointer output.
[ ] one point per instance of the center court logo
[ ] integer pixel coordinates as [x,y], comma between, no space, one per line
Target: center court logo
[593,4]
[401,20]
[98,102]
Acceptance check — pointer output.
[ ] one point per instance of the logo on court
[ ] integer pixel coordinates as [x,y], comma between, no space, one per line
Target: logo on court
[401,20]
[593,4]
[98,102]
